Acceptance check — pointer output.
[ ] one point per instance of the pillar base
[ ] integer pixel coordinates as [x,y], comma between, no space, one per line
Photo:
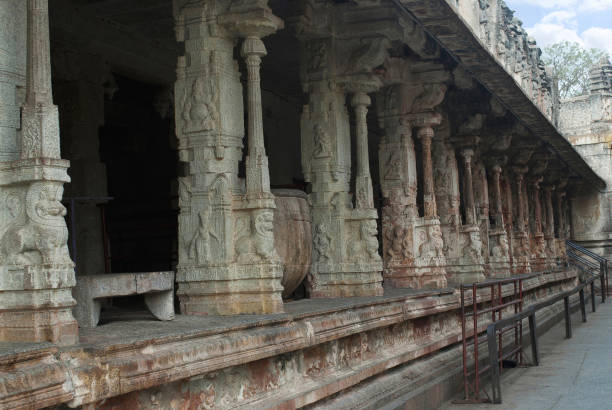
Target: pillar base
[36,304]
[256,290]
[433,277]
[465,274]
[350,282]
[501,269]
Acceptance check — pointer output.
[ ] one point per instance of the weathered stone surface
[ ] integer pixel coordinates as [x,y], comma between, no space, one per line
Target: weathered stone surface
[318,348]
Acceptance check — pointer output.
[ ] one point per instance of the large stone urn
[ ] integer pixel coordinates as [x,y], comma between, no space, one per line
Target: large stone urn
[293,236]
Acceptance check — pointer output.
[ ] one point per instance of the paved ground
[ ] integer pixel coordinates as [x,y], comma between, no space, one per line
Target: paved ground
[574,374]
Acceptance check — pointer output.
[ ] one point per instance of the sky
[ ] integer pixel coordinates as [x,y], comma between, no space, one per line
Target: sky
[587,22]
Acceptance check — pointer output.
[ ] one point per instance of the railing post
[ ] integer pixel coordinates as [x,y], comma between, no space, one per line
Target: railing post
[494,365]
[593,302]
[568,318]
[534,339]
[582,305]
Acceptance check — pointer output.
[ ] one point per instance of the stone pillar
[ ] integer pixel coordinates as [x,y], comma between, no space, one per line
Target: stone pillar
[413,247]
[346,260]
[499,257]
[561,237]
[426,134]
[499,213]
[258,176]
[469,266]
[538,243]
[228,263]
[468,188]
[520,247]
[549,234]
[363,180]
[37,275]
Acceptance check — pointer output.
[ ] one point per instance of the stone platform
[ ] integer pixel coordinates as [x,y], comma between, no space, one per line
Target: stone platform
[316,349]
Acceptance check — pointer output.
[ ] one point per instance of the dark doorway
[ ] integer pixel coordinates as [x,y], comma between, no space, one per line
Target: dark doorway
[138,147]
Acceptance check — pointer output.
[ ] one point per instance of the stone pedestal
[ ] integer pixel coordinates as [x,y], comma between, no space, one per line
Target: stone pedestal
[36,273]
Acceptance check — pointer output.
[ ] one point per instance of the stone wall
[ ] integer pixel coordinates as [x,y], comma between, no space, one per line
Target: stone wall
[495,24]
[586,121]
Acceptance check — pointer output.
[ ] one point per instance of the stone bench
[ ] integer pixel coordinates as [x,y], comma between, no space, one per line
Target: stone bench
[158,288]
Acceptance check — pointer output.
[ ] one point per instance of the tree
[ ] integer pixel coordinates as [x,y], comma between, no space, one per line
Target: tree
[571,63]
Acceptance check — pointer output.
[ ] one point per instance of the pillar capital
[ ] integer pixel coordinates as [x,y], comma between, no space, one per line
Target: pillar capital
[253,47]
[361,99]
[467,154]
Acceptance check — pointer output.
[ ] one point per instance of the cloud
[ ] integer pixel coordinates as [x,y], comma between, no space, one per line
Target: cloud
[548,33]
[580,5]
[598,37]
[562,17]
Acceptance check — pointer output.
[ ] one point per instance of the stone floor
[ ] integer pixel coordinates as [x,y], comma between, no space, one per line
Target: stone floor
[134,327]
[573,374]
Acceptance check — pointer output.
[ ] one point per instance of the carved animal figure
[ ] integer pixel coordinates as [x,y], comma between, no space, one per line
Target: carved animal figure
[259,245]
[43,238]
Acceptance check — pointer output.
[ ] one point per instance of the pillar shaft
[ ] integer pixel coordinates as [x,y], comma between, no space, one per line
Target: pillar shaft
[537,210]
[426,134]
[38,77]
[257,173]
[499,213]
[363,180]
[468,191]
[550,218]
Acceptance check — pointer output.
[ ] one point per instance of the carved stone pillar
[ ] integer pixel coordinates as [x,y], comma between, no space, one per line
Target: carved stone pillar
[228,263]
[469,264]
[425,134]
[497,192]
[363,180]
[413,247]
[258,176]
[499,257]
[549,233]
[468,188]
[561,236]
[346,259]
[36,275]
[521,247]
[538,244]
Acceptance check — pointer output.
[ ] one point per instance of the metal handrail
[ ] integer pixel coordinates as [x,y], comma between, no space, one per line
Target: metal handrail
[601,265]
[592,254]
[494,328]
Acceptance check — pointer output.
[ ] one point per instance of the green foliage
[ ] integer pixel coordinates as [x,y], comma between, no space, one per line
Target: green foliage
[571,64]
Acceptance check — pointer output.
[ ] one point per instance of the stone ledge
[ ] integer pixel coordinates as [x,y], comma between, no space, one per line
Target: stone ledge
[123,357]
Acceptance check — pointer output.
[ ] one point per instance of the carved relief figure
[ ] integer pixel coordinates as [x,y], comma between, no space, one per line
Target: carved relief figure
[473,249]
[394,166]
[398,244]
[322,244]
[199,110]
[199,247]
[258,245]
[366,246]
[321,143]
[43,238]
[501,250]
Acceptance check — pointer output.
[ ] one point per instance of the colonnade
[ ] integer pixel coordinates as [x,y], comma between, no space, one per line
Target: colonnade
[227,258]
